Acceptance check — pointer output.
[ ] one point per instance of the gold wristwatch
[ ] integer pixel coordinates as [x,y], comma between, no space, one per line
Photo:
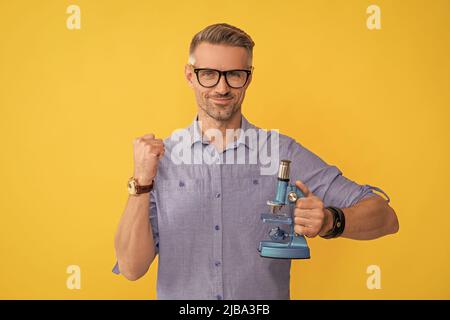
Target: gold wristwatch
[134,188]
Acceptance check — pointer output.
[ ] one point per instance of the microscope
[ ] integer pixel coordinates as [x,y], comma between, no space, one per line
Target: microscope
[283,244]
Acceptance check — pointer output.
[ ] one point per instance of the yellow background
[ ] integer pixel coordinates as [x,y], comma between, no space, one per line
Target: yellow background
[374,103]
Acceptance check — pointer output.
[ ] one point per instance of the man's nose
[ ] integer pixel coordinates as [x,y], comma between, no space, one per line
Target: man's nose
[222,87]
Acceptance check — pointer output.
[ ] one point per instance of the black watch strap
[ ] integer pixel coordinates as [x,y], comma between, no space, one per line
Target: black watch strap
[338,223]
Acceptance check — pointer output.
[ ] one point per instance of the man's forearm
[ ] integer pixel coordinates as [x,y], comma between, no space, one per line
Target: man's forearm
[134,238]
[370,218]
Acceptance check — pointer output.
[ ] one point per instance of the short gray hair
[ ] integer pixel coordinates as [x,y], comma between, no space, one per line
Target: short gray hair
[222,33]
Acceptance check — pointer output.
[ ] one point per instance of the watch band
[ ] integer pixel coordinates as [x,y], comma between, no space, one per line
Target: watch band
[135,189]
[144,189]
[338,223]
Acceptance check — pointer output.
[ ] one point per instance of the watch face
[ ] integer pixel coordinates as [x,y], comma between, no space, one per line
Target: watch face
[132,187]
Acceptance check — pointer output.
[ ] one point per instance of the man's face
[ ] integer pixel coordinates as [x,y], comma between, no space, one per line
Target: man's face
[221,101]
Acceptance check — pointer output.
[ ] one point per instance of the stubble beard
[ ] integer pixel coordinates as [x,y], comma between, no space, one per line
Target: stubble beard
[220,113]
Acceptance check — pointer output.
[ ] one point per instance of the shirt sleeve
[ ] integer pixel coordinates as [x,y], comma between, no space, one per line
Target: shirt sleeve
[324,180]
[153,216]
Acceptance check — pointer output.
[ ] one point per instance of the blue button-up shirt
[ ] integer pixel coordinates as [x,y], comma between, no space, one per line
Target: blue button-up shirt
[206,205]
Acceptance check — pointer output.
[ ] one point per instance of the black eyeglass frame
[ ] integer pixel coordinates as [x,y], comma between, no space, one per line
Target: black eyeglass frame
[224,73]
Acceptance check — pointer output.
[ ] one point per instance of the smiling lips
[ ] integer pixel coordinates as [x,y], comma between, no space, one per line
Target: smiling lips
[221,100]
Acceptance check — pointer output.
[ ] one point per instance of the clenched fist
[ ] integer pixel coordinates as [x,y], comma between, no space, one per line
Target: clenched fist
[147,153]
[310,216]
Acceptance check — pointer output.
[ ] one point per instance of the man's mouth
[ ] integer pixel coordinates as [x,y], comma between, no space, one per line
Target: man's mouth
[221,100]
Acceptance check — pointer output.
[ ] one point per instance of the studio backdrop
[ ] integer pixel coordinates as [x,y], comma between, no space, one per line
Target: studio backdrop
[363,84]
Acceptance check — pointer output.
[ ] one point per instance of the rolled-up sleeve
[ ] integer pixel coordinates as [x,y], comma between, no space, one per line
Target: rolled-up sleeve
[326,181]
[153,217]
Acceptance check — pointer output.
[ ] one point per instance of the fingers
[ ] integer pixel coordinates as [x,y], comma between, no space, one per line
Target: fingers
[305,222]
[156,148]
[307,227]
[156,144]
[150,144]
[309,222]
[157,151]
[312,202]
[306,231]
[303,188]
[308,214]
[147,138]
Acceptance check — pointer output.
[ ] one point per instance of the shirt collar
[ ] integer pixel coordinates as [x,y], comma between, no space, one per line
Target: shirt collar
[194,130]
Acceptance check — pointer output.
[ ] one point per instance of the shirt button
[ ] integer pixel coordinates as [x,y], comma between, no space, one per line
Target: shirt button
[217,263]
[217,195]
[219,297]
[217,227]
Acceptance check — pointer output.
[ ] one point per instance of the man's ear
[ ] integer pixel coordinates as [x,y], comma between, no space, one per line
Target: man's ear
[189,75]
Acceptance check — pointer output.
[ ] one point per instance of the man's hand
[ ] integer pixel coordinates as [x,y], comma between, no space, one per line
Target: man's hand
[147,152]
[310,216]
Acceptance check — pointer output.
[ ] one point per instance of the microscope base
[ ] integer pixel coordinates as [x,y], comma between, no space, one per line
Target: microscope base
[271,249]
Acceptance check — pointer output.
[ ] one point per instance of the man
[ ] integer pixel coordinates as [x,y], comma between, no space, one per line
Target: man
[202,216]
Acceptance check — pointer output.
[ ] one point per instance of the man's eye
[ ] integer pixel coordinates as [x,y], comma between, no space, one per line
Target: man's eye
[235,74]
[208,73]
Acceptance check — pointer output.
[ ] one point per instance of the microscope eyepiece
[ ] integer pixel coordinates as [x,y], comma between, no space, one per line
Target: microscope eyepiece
[283,171]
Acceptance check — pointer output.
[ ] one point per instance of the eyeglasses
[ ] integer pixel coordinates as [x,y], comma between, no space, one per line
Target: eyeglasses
[209,78]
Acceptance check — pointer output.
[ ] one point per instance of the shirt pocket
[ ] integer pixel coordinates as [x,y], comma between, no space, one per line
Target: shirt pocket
[181,203]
